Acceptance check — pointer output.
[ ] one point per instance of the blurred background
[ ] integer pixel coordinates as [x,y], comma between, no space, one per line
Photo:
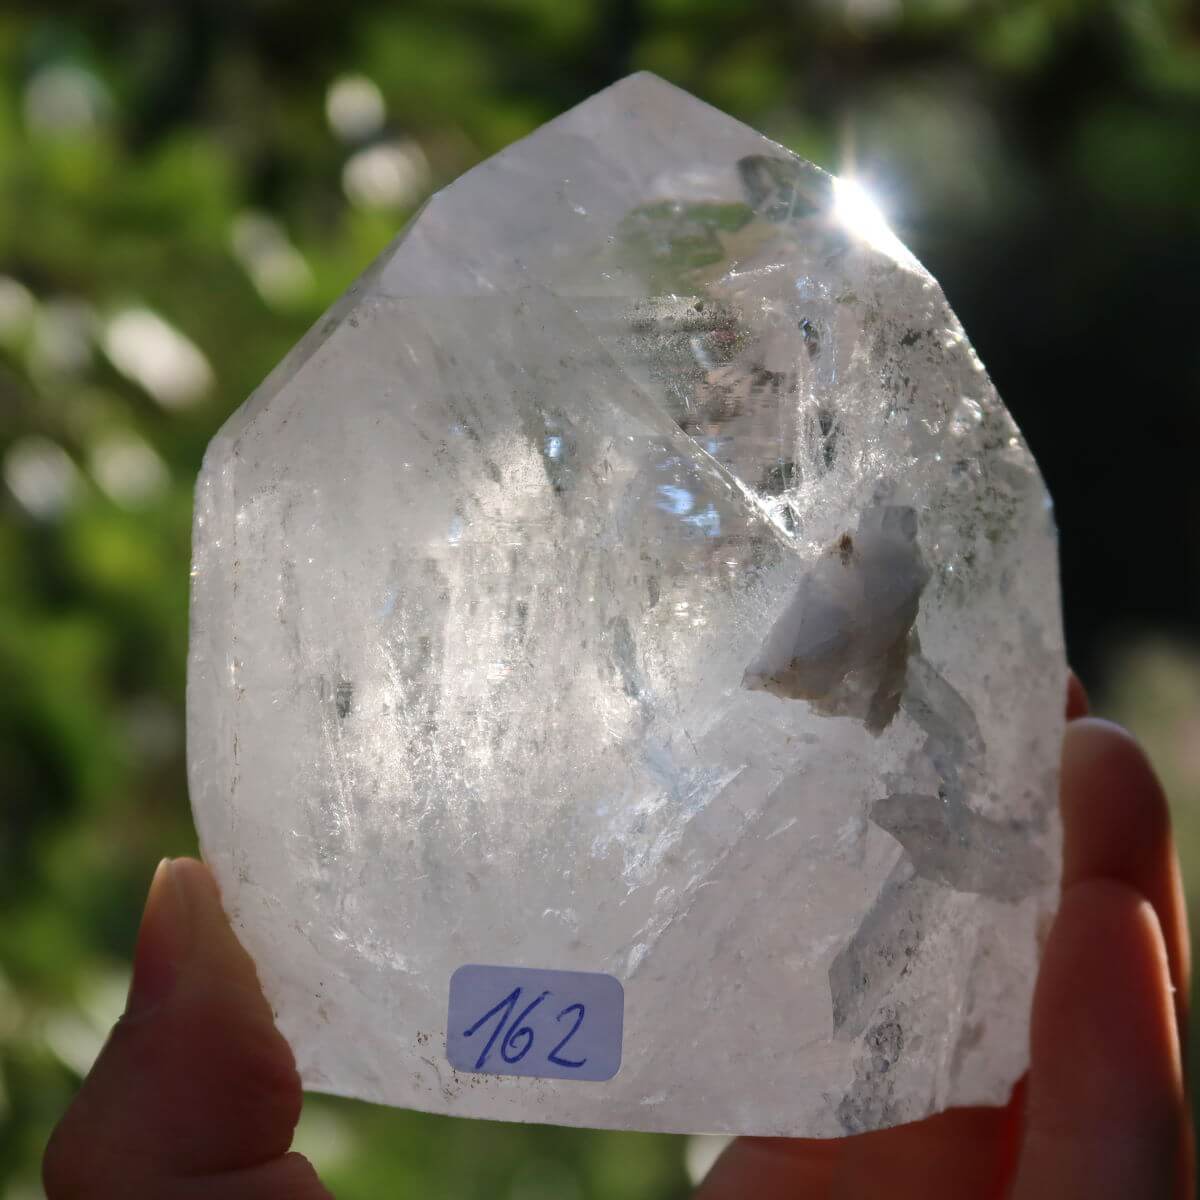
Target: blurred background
[184,187]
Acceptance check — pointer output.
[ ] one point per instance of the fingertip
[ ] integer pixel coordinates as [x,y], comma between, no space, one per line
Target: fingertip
[1117,825]
[1113,806]
[163,941]
[186,939]
[195,1077]
[196,877]
[1105,1098]
[200,894]
[1089,741]
[218,950]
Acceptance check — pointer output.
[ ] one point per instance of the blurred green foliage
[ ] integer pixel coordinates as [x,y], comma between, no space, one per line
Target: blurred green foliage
[184,188]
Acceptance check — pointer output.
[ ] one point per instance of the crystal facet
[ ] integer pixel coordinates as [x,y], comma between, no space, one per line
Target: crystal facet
[637,574]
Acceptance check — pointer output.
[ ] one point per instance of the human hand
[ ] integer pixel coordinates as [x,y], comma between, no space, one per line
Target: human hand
[196,1095]
[1102,1113]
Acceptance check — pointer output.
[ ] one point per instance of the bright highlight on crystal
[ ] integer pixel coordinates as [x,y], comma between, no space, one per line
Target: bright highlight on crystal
[633,602]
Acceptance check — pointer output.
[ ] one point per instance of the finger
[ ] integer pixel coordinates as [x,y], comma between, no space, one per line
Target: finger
[962,1152]
[195,1079]
[1105,1102]
[772,1169]
[1077,698]
[288,1178]
[957,1153]
[1116,825]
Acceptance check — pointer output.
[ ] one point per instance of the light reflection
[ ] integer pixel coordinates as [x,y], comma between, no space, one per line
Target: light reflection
[709,521]
[354,107]
[41,475]
[389,175]
[701,1153]
[63,332]
[277,269]
[64,98]
[675,500]
[128,470]
[156,356]
[16,310]
[967,417]
[859,213]
[700,351]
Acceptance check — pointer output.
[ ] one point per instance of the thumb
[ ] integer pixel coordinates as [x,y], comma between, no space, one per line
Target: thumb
[196,1092]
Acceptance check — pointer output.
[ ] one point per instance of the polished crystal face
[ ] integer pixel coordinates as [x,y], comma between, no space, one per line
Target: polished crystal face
[637,575]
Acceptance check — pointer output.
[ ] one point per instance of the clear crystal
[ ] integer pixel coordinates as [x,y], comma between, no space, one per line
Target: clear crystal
[637,573]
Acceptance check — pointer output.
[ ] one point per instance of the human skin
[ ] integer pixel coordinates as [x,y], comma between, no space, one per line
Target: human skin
[195,1096]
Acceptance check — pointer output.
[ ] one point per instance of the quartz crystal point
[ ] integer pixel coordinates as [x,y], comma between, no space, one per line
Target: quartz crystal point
[635,573]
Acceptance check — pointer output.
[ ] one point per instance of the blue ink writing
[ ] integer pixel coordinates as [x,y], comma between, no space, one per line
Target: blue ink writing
[507,1003]
[518,1041]
[517,1030]
[535,1021]
[553,1055]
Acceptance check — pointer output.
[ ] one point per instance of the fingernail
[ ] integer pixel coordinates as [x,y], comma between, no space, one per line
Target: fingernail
[164,941]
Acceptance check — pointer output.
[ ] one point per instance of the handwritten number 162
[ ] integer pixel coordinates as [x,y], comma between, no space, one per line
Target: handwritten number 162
[516,1043]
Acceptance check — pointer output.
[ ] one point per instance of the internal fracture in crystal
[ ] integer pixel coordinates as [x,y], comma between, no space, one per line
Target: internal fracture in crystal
[636,573]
